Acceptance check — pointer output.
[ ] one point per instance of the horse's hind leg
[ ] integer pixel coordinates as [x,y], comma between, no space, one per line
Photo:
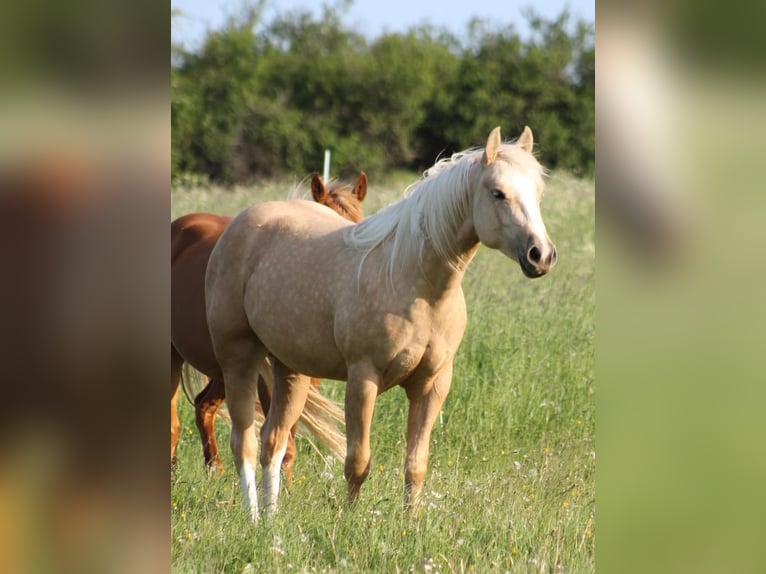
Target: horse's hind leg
[176,362]
[288,399]
[206,405]
[242,358]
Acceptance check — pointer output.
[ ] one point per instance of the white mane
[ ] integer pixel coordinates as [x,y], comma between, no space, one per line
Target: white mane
[433,209]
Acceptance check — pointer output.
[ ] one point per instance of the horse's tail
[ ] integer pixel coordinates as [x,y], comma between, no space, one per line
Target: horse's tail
[321,417]
[186,384]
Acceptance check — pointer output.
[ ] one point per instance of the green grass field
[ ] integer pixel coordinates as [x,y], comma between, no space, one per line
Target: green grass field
[511,483]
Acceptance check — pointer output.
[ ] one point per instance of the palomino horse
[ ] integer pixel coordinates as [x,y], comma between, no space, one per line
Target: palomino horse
[377,304]
[193,237]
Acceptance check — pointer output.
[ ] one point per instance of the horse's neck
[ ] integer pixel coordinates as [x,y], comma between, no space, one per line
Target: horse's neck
[445,275]
[463,240]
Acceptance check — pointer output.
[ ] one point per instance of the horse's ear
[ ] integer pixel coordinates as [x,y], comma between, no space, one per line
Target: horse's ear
[526,141]
[318,190]
[360,187]
[493,146]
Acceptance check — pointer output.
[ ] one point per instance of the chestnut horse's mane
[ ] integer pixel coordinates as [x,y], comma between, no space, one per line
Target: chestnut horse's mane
[340,199]
[344,201]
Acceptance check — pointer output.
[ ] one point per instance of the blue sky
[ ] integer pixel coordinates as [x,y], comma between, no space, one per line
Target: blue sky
[374,17]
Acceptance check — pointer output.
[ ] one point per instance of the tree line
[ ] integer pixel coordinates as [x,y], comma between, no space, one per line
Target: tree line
[263,99]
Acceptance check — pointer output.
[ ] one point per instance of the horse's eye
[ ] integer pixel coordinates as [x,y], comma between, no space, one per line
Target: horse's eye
[497,194]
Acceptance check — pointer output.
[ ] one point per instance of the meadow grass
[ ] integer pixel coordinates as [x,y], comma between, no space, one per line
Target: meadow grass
[511,483]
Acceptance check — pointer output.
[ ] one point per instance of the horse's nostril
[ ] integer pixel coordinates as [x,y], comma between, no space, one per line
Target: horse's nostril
[534,254]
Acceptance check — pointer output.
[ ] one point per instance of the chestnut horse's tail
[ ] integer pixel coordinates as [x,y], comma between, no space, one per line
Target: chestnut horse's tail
[321,417]
[186,383]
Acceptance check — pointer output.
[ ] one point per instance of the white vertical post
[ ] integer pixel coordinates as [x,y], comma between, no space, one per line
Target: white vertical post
[326,172]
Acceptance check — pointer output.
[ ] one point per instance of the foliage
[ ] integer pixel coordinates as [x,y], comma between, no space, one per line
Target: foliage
[511,482]
[262,99]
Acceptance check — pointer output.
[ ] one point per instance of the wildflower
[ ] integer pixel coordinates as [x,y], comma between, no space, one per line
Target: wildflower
[564,504]
[277,547]
[587,533]
[514,551]
[381,468]
[404,533]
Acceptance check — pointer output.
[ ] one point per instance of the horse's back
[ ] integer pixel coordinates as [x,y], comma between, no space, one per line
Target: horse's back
[279,237]
[193,229]
[193,237]
[296,216]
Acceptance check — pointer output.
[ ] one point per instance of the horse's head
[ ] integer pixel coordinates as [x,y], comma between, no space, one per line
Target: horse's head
[340,198]
[506,209]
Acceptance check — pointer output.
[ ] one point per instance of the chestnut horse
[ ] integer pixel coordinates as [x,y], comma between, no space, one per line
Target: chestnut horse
[193,237]
[377,304]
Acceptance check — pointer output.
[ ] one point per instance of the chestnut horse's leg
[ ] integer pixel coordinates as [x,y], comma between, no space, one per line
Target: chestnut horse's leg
[426,401]
[361,392]
[206,405]
[289,398]
[176,362]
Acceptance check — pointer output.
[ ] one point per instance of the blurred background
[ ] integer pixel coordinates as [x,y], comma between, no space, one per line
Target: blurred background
[680,118]
[84,294]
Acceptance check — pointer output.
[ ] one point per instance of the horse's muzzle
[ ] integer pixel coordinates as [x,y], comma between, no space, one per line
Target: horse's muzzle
[538,259]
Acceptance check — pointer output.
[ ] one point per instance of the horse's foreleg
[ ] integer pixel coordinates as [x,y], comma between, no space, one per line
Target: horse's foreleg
[361,393]
[206,405]
[288,399]
[425,404]
[176,362]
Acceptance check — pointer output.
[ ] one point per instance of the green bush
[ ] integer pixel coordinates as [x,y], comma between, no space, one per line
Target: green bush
[261,100]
